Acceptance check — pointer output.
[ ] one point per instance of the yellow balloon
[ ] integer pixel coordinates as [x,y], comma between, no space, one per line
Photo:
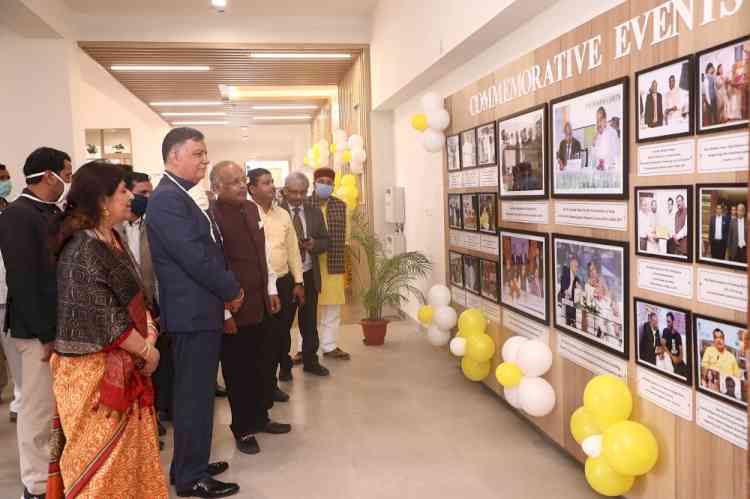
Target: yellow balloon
[316,153]
[630,448]
[346,156]
[472,321]
[316,148]
[337,182]
[607,398]
[349,180]
[425,314]
[419,122]
[305,161]
[475,371]
[332,148]
[350,201]
[508,374]
[605,480]
[582,425]
[480,347]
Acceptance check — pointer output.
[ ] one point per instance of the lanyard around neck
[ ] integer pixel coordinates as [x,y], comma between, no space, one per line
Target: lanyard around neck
[205,214]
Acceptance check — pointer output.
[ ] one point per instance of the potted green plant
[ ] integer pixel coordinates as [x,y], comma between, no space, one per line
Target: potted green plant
[389,280]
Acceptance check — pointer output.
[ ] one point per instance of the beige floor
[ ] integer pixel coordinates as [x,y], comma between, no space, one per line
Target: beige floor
[398,421]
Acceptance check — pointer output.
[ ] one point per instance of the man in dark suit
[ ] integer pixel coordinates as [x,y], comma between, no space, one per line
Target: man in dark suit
[654,113]
[718,233]
[737,243]
[312,234]
[649,342]
[570,147]
[195,287]
[248,352]
[569,285]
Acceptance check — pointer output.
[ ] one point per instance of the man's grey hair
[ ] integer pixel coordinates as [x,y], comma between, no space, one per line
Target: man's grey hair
[297,178]
[218,168]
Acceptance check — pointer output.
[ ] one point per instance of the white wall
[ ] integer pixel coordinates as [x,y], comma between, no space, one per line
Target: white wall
[420,172]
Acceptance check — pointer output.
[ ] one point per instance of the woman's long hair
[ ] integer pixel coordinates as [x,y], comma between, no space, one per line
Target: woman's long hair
[92,184]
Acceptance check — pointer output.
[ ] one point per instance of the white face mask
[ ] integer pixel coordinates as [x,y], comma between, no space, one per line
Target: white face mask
[199,196]
[66,186]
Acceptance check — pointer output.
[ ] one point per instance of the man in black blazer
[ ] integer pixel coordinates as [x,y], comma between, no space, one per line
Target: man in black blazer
[569,283]
[718,233]
[312,234]
[653,115]
[195,288]
[650,340]
[570,147]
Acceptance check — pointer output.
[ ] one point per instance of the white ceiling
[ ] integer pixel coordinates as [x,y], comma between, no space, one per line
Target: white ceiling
[286,8]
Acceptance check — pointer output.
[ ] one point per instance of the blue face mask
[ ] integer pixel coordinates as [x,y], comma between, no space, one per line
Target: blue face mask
[323,191]
[6,186]
[138,205]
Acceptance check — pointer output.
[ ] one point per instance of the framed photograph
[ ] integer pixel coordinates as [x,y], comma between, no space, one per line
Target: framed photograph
[720,359]
[486,145]
[471,274]
[488,273]
[722,79]
[488,212]
[665,103]
[591,289]
[456,263]
[469,211]
[522,140]
[589,140]
[721,213]
[454,211]
[452,148]
[664,339]
[469,148]
[524,261]
[664,225]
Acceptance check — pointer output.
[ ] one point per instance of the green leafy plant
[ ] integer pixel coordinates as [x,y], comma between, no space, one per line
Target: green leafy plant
[389,280]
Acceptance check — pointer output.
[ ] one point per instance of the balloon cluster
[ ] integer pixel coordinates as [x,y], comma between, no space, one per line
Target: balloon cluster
[524,362]
[345,188]
[473,344]
[438,316]
[618,450]
[432,121]
[348,150]
[318,155]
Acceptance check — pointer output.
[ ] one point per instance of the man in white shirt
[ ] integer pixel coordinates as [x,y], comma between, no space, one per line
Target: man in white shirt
[644,215]
[718,233]
[668,222]
[606,143]
[738,236]
[674,106]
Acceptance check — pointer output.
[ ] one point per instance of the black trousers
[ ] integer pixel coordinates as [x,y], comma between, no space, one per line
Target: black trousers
[307,317]
[247,362]
[283,323]
[196,359]
[718,249]
[163,377]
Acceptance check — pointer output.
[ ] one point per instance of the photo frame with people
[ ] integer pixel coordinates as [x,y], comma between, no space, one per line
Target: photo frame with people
[455,219]
[664,339]
[523,154]
[664,222]
[488,212]
[488,280]
[456,269]
[721,82]
[472,275]
[721,218]
[591,291]
[452,150]
[524,264]
[486,145]
[470,211]
[468,148]
[590,131]
[721,359]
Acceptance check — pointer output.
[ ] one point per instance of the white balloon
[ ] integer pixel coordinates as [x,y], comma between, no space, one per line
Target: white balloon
[339,136]
[356,142]
[534,358]
[439,296]
[431,101]
[438,119]
[433,140]
[537,396]
[359,156]
[592,446]
[512,397]
[437,337]
[458,347]
[356,167]
[445,318]
[511,346]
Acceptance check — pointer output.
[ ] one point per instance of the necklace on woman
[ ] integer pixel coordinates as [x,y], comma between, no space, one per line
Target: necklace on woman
[110,241]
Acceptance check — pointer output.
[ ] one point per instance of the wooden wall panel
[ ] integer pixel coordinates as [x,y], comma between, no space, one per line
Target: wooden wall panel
[693,464]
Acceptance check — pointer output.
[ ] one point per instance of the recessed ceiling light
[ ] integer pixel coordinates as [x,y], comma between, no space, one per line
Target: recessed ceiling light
[283,108]
[200,122]
[188,103]
[197,113]
[300,117]
[298,55]
[128,67]
[219,4]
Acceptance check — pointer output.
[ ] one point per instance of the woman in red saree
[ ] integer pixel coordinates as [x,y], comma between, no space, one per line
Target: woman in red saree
[104,442]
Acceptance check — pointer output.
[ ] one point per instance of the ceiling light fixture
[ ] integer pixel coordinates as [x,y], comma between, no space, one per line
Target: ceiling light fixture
[219,5]
[298,55]
[299,117]
[282,108]
[130,67]
[187,103]
[197,113]
[182,123]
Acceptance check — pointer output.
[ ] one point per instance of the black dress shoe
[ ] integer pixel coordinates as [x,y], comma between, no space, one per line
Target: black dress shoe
[248,445]
[208,487]
[280,395]
[317,370]
[212,469]
[275,428]
[285,375]
[221,391]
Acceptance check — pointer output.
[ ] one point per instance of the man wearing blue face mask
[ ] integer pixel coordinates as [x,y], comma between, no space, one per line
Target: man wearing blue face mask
[6,187]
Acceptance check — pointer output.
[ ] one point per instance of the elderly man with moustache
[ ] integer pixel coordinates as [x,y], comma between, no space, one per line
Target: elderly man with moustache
[195,287]
[249,348]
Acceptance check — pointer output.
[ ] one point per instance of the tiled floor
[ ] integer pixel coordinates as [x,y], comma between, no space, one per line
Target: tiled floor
[397,421]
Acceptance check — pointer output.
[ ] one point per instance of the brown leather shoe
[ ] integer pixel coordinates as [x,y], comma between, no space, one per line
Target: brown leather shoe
[337,353]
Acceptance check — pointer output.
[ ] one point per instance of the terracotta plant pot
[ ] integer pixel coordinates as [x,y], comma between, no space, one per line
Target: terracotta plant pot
[374,331]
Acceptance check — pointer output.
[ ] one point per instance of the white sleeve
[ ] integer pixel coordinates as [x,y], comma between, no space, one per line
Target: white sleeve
[272,291]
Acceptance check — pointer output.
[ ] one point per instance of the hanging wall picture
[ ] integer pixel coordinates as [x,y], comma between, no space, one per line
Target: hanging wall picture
[664,223]
[721,359]
[663,339]
[523,273]
[469,148]
[488,212]
[721,213]
[454,211]
[590,137]
[470,211]
[456,269]
[452,152]
[522,140]
[471,274]
[488,273]
[486,145]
